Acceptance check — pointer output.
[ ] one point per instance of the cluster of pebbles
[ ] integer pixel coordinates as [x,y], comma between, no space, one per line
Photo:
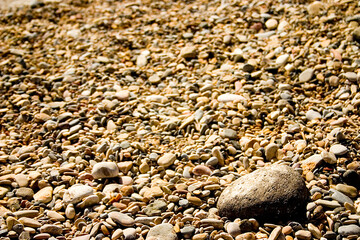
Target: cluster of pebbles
[128,119]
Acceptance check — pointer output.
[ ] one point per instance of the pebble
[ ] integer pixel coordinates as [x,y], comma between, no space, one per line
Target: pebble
[303,235]
[306,75]
[338,149]
[122,219]
[76,193]
[166,160]
[116,120]
[271,151]
[51,229]
[162,231]
[347,230]
[105,170]
[244,195]
[44,195]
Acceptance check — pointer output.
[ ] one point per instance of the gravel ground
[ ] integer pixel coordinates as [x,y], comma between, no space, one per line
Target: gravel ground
[180,120]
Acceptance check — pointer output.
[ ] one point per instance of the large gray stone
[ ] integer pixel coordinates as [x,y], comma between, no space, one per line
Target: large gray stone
[272,193]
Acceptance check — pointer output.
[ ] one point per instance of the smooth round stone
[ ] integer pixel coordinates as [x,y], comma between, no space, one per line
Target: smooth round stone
[228,97]
[347,230]
[122,219]
[338,149]
[30,222]
[166,160]
[228,133]
[269,193]
[129,234]
[70,211]
[51,229]
[213,161]
[351,76]
[306,75]
[201,170]
[44,195]
[105,170]
[271,24]
[75,33]
[162,231]
[312,115]
[282,60]
[271,151]
[188,231]
[303,235]
[122,95]
[233,229]
[76,193]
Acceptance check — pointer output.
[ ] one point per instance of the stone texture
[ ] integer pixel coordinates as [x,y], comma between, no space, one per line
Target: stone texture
[271,193]
[162,231]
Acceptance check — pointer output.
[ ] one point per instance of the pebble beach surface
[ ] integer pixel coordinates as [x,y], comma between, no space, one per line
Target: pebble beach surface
[153,120]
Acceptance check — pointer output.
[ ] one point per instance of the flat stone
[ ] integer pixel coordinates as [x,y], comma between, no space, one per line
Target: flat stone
[30,222]
[228,133]
[26,213]
[347,189]
[270,193]
[303,235]
[51,229]
[24,192]
[44,195]
[340,197]
[312,115]
[54,216]
[327,203]
[246,236]
[155,208]
[228,97]
[105,170]
[162,231]
[122,219]
[306,75]
[338,149]
[282,59]
[201,170]
[76,193]
[275,233]
[166,160]
[216,223]
[347,230]
[129,234]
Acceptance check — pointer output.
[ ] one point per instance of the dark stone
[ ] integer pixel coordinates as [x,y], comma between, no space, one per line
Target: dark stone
[352,178]
[272,193]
